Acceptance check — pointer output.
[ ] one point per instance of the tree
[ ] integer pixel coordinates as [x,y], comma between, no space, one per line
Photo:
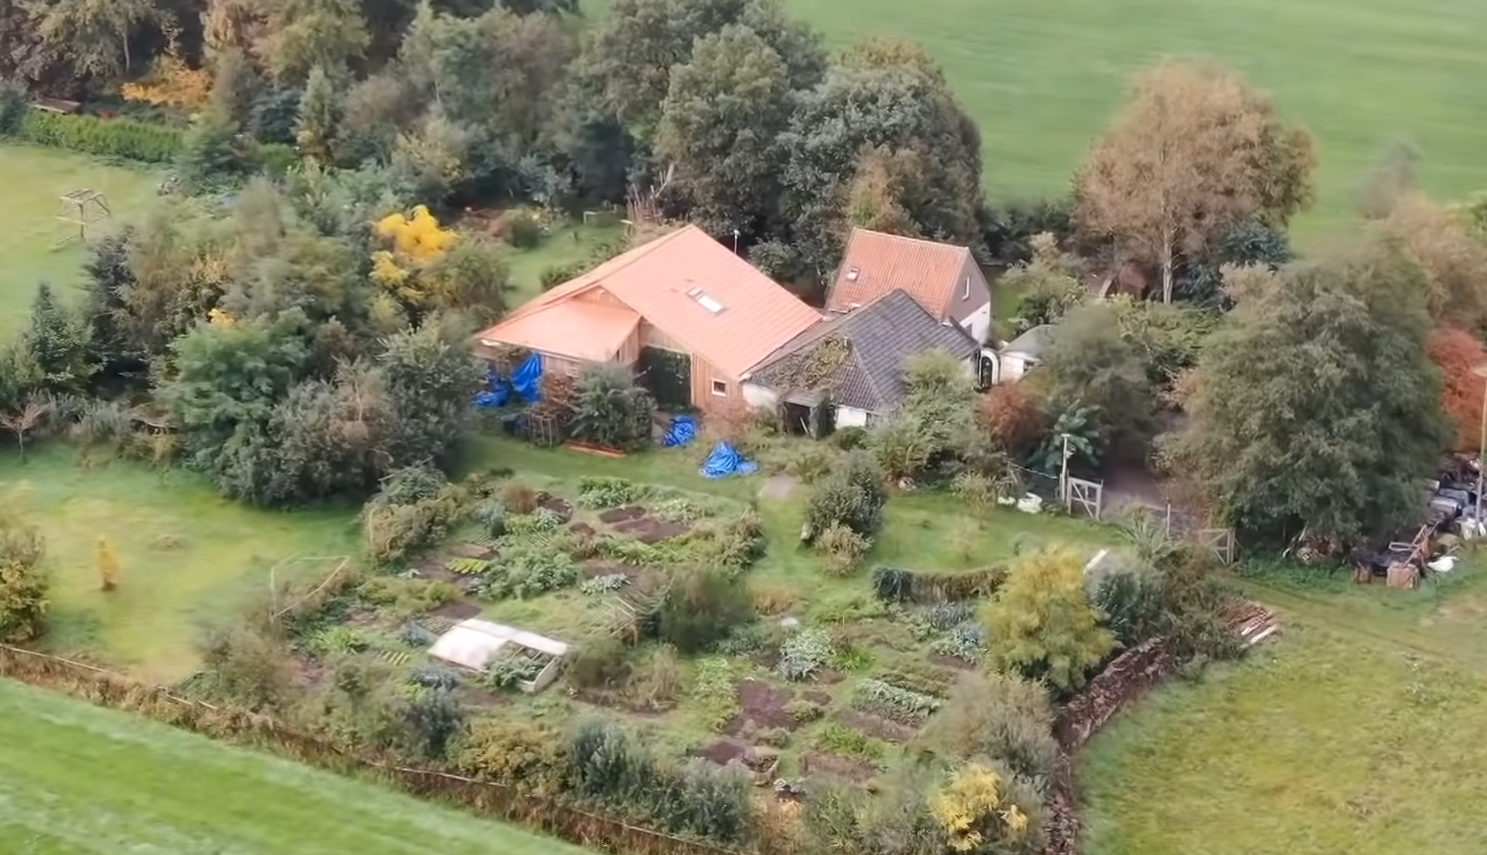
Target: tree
[886,117]
[1460,355]
[108,566]
[23,581]
[57,342]
[934,422]
[1316,405]
[1251,243]
[1196,151]
[629,59]
[1013,418]
[608,409]
[1003,717]
[431,376]
[977,816]
[1041,622]
[720,127]
[319,116]
[213,149]
[93,36]
[853,495]
[24,419]
[1091,364]
[1454,262]
[302,34]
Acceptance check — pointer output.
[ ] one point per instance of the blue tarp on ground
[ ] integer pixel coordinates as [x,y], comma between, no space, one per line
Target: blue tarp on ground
[725,460]
[524,381]
[683,430]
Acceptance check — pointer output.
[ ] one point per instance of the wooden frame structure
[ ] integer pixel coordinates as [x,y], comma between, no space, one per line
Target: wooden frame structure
[81,208]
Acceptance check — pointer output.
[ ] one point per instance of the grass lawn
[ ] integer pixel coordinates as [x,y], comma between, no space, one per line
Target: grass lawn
[77,780]
[1359,731]
[1042,79]
[186,555]
[33,179]
[568,243]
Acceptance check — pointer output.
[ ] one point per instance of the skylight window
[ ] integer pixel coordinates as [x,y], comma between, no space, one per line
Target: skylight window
[705,300]
[853,274]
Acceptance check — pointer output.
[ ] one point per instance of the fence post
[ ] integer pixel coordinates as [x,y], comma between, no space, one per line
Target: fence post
[1169,519]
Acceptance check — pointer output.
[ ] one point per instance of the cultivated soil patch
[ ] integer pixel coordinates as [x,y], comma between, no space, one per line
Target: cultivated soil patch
[724,751]
[882,728]
[837,766]
[583,529]
[820,699]
[457,611]
[620,515]
[648,529]
[437,570]
[562,507]
[762,704]
[947,661]
[471,550]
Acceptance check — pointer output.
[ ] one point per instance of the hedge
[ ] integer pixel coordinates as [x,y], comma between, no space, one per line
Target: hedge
[127,139]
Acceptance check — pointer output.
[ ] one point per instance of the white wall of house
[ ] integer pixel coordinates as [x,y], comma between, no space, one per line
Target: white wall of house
[850,417]
[1015,364]
[760,397]
[979,324]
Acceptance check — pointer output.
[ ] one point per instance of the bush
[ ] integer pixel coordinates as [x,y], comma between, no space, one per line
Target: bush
[1042,624]
[23,582]
[247,666]
[804,653]
[122,138]
[599,662]
[13,107]
[1001,716]
[844,549]
[609,411]
[853,495]
[555,275]
[527,756]
[702,607]
[849,438]
[527,570]
[524,231]
[804,712]
[655,682]
[408,597]
[519,498]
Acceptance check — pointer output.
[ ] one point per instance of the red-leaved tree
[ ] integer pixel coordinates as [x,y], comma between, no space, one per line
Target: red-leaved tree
[1460,354]
[1014,418]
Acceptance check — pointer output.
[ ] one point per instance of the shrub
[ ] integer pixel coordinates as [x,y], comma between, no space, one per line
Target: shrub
[706,801]
[804,653]
[844,549]
[1130,603]
[804,712]
[655,682]
[979,812]
[840,739]
[530,757]
[127,139]
[894,702]
[555,275]
[509,672]
[247,666]
[23,582]
[609,492]
[1014,419]
[527,570]
[431,720]
[13,107]
[408,596]
[849,438]
[853,495]
[492,518]
[702,607]
[1001,716]
[519,498]
[608,410]
[1042,624]
[738,544]
[607,766]
[599,662]
[524,231]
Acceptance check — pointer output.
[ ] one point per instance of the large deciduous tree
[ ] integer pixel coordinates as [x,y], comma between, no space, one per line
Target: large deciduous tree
[1455,262]
[1093,364]
[720,128]
[631,54]
[1460,356]
[1195,152]
[1317,405]
[883,140]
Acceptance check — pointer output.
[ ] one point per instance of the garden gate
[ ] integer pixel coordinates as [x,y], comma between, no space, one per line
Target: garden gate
[1086,495]
[1221,541]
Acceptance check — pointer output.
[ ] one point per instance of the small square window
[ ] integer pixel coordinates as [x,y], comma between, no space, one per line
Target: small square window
[720,388]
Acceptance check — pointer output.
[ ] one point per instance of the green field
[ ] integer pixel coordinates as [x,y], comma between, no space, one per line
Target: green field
[32,180]
[1358,732]
[187,555]
[1041,79]
[78,780]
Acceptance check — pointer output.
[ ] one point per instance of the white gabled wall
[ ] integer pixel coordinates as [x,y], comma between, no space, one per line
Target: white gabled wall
[979,324]
[850,417]
[760,397]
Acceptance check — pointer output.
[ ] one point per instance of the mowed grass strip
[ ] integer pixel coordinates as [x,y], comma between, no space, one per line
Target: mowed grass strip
[78,780]
[1324,741]
[31,182]
[1043,79]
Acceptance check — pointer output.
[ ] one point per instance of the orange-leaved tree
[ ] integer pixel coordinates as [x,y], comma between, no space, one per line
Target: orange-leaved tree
[1460,354]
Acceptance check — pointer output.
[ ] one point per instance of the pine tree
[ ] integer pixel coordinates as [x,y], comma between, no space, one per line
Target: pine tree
[57,344]
[319,113]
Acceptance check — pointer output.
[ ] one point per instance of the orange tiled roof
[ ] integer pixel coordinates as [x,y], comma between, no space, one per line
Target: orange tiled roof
[928,271]
[692,288]
[574,328]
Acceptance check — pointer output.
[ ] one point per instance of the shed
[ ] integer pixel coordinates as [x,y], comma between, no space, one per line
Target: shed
[475,644]
[1022,354]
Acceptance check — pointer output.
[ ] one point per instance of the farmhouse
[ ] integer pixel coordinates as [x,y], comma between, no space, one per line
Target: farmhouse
[682,312]
[855,362]
[943,278]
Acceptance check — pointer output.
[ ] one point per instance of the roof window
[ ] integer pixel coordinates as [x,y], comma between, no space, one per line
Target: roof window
[853,273]
[705,300]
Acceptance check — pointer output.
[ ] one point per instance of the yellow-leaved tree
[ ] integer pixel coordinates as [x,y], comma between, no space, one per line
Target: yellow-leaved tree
[416,242]
[1041,622]
[172,83]
[976,813]
[108,566]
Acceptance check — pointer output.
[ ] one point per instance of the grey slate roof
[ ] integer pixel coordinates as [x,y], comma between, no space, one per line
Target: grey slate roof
[882,335]
[1034,342]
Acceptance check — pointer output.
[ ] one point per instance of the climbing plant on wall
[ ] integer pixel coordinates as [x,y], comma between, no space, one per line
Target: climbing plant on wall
[668,376]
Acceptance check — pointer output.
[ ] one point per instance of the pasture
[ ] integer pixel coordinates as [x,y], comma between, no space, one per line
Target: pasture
[1358,731]
[32,180]
[78,780]
[1042,79]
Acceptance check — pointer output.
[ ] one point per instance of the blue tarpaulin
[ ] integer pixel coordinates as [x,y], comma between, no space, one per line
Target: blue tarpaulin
[725,460]
[524,381]
[497,395]
[683,430]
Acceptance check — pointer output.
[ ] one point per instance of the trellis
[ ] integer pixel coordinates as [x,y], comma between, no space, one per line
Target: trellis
[81,208]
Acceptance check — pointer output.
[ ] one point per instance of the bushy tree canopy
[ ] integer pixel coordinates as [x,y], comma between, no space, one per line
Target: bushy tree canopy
[1316,404]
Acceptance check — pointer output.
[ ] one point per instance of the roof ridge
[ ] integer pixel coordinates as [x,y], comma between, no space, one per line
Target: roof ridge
[891,235]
